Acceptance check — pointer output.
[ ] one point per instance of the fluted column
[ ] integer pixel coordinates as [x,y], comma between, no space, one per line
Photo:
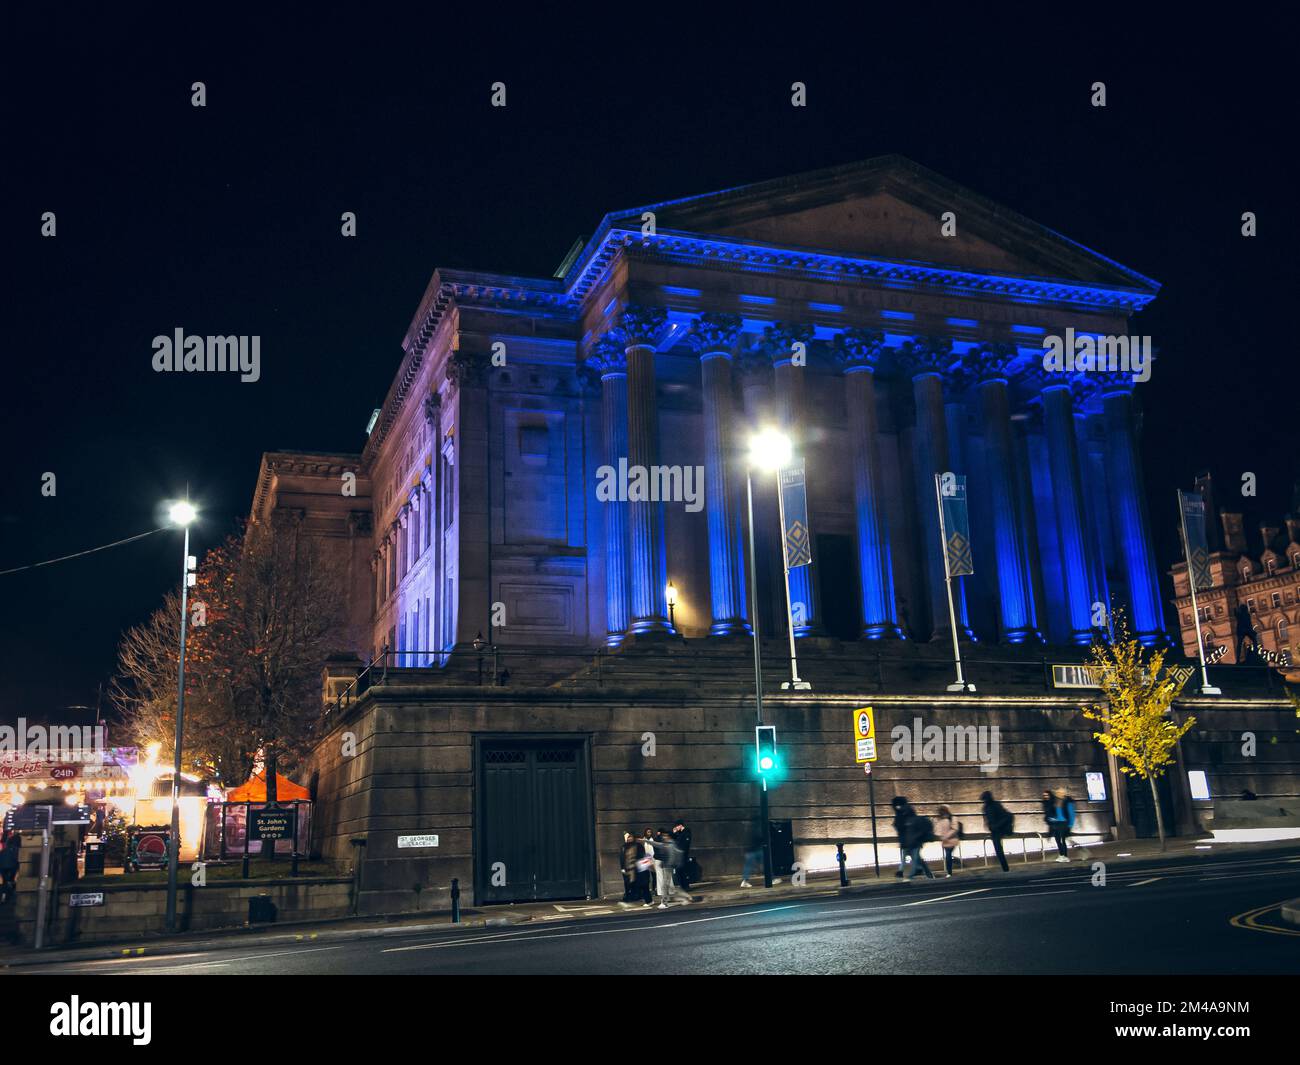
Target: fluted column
[989,367]
[714,338]
[1067,494]
[1094,504]
[609,359]
[639,328]
[927,360]
[1128,509]
[858,352]
[780,339]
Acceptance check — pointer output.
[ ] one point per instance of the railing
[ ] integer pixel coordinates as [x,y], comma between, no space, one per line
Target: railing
[601,667]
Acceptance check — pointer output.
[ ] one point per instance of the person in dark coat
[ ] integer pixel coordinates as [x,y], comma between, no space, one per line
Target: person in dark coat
[9,861]
[1049,809]
[1062,822]
[902,811]
[1000,822]
[914,833]
[682,837]
[629,857]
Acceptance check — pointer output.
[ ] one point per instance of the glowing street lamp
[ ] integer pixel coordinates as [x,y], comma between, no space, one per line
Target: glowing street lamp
[182,514]
[670,595]
[770,450]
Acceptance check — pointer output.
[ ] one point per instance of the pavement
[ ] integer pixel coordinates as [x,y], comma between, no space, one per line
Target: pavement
[1210,867]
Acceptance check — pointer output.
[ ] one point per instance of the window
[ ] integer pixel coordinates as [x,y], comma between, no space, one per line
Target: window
[1277,599]
[1250,605]
[1270,565]
[1283,634]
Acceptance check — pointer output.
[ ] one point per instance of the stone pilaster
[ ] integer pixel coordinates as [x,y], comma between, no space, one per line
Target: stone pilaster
[714,338]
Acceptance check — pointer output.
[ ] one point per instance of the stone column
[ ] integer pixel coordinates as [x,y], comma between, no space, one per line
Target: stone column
[1094,504]
[1067,494]
[858,352]
[1128,509]
[609,359]
[788,344]
[927,360]
[639,328]
[714,338]
[989,367]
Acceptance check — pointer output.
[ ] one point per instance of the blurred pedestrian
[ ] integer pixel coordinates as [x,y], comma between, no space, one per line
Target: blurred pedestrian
[1001,822]
[916,831]
[947,831]
[902,811]
[1062,822]
[682,837]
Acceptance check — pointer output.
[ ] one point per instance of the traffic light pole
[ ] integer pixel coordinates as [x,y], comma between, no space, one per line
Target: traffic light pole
[758,681]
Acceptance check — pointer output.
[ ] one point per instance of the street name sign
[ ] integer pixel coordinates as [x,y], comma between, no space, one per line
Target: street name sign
[417,841]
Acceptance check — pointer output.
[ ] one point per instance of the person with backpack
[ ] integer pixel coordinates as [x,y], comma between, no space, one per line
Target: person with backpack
[917,830]
[1001,822]
[1061,822]
[947,829]
[903,811]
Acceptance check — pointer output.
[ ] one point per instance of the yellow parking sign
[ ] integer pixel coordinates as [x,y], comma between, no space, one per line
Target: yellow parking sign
[864,734]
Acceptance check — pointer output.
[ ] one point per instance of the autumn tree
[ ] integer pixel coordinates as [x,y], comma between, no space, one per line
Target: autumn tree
[267,610]
[1139,694]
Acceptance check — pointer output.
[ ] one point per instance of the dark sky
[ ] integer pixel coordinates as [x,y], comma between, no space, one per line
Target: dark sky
[225,220]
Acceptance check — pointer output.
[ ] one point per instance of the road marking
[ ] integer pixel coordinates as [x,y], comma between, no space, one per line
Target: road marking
[1247,876]
[523,937]
[1152,880]
[945,898]
[1250,920]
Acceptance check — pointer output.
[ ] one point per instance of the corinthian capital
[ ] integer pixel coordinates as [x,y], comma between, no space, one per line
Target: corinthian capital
[467,368]
[926,355]
[715,333]
[989,362]
[608,356]
[1080,387]
[860,348]
[780,338]
[640,325]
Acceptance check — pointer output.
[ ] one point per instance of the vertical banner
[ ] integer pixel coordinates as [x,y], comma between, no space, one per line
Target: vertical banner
[956,524]
[1196,543]
[794,511]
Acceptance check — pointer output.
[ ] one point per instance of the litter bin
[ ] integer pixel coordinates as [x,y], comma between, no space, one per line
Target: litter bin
[261,910]
[782,840]
[95,859]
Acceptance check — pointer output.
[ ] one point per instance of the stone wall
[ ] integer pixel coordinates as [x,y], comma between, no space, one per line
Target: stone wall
[133,909]
[413,771]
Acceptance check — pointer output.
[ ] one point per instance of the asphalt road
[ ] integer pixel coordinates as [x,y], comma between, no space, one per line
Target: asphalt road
[1215,916]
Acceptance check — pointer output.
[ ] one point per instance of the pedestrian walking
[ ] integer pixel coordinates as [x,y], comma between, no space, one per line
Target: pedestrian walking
[643,866]
[917,831]
[754,853]
[1049,806]
[682,837]
[1062,822]
[628,862]
[947,830]
[661,848]
[1001,822]
[9,862]
[903,810]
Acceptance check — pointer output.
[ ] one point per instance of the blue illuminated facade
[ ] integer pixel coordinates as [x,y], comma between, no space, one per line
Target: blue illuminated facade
[591,431]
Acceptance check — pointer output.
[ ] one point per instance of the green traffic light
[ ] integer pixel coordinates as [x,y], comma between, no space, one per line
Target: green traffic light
[766,762]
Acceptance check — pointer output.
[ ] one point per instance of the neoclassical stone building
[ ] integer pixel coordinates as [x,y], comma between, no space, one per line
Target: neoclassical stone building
[831,304]
[495,509]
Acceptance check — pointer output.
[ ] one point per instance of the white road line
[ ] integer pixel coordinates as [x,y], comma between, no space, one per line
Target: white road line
[524,937]
[1247,876]
[1151,880]
[945,898]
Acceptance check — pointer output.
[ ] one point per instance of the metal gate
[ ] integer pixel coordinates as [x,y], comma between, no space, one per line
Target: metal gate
[533,821]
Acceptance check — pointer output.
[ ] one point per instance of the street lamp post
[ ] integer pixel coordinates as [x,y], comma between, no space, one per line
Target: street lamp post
[182,514]
[758,681]
[670,594]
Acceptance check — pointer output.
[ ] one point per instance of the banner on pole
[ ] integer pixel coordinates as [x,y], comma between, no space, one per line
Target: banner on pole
[794,509]
[956,524]
[1198,549]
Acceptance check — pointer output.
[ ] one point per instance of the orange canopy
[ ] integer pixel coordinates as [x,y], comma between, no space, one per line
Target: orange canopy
[255,790]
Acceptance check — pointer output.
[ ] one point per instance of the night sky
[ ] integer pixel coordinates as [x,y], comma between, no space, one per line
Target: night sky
[225,220]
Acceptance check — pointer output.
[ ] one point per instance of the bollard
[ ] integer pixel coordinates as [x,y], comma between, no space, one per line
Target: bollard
[455,900]
[843,859]
[293,868]
[244,872]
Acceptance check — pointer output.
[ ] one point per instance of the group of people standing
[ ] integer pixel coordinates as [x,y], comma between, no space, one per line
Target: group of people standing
[658,864]
[914,830]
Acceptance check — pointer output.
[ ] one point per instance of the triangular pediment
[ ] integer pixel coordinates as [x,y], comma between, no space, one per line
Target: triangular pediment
[890,208]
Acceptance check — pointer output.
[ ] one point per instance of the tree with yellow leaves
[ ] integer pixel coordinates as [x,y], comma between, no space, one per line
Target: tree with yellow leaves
[1139,693]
